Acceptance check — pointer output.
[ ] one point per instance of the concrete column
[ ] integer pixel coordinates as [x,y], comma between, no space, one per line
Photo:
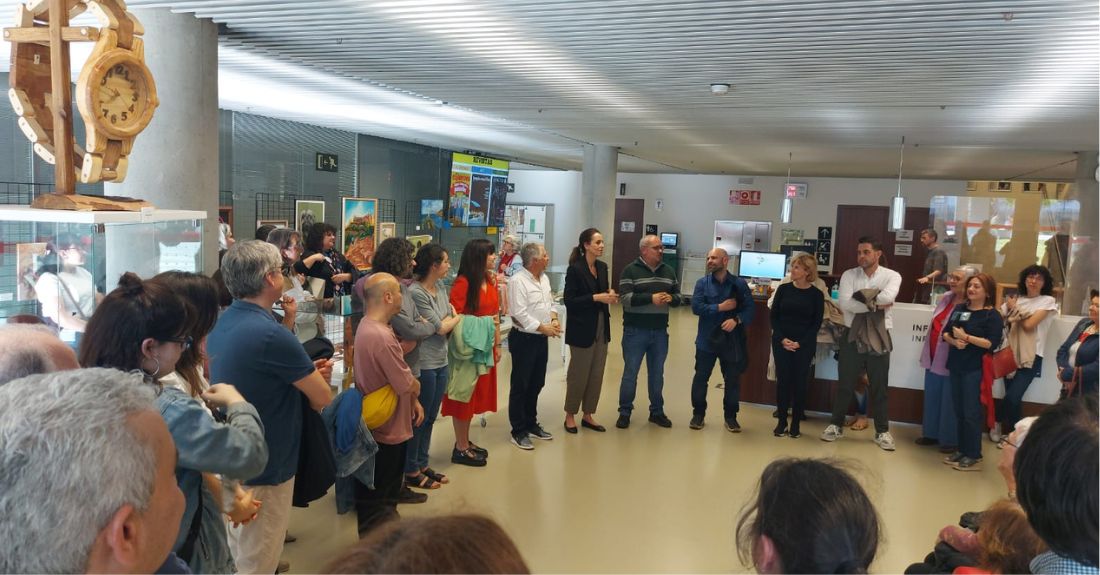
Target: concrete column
[598,189]
[174,164]
[1083,270]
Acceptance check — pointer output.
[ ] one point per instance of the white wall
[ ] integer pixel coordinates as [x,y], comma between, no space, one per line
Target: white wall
[693,202]
[563,189]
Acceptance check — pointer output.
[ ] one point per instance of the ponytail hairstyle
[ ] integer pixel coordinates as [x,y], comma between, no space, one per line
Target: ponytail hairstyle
[427,257]
[134,311]
[201,293]
[473,268]
[815,513]
[578,250]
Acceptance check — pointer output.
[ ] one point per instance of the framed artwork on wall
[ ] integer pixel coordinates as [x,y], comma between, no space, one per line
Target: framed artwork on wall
[359,226]
[307,213]
[276,223]
[387,230]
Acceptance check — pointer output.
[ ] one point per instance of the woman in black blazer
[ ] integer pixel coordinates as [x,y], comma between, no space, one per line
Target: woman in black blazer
[588,328]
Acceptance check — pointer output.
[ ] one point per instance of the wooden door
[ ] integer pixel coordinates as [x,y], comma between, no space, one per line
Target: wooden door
[853,222]
[628,211]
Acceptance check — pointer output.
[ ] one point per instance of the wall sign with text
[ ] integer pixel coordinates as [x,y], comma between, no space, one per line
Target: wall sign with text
[745,197]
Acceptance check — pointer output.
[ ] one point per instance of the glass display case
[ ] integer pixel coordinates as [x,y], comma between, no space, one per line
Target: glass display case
[57,264]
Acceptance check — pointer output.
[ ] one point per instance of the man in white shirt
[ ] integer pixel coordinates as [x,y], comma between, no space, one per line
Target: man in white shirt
[530,304]
[852,363]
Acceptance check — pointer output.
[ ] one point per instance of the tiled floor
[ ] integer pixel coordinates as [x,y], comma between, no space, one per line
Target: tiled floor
[653,500]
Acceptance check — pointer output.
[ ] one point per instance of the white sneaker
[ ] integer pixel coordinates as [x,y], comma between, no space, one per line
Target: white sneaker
[885,440]
[832,433]
[995,434]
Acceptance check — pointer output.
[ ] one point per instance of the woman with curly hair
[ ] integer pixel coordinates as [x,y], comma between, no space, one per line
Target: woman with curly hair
[1028,315]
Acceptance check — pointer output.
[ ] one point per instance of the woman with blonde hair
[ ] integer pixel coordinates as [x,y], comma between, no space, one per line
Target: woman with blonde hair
[796,315]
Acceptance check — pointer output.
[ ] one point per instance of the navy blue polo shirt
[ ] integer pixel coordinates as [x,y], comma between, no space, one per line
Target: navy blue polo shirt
[252,351]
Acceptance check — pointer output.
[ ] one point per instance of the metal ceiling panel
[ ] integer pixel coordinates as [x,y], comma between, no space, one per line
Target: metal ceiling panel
[984,88]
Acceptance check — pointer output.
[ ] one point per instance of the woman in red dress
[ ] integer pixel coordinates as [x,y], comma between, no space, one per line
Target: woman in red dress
[475,293]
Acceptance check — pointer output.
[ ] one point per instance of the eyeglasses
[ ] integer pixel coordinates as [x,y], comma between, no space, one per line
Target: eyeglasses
[185,342]
[658,247]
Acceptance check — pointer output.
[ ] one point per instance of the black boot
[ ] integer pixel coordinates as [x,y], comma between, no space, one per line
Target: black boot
[781,427]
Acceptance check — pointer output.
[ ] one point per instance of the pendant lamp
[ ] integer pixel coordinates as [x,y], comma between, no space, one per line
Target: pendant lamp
[897,204]
[787,206]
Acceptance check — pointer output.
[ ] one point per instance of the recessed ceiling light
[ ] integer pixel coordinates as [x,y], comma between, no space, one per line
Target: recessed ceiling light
[719,89]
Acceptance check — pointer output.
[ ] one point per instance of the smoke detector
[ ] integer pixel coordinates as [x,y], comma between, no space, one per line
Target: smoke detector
[719,89]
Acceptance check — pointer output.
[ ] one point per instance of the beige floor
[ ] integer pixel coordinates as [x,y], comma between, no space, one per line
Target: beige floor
[652,500]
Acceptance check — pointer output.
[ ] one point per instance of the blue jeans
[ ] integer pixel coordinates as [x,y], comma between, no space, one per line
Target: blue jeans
[939,421]
[653,344]
[433,382]
[966,393]
[1015,388]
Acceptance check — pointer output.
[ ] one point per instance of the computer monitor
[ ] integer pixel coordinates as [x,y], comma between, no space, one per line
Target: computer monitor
[670,239]
[762,265]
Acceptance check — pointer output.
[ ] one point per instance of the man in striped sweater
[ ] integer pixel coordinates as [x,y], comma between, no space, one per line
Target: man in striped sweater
[647,288]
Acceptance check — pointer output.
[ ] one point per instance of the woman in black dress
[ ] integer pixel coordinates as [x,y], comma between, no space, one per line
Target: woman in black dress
[796,315]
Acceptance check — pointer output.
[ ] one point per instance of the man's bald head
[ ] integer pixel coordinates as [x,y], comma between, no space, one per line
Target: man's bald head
[382,296]
[717,260]
[29,349]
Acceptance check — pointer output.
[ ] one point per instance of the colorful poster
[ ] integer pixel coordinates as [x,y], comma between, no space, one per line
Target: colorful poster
[307,213]
[359,225]
[477,191]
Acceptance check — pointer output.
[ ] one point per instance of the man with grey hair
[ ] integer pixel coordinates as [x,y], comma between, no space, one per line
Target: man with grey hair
[85,455]
[530,304]
[29,349]
[271,369]
[647,287]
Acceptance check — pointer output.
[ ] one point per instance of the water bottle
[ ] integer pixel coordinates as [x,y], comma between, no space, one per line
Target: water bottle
[835,293]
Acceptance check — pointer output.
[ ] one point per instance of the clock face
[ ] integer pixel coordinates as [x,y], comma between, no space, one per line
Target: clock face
[120,97]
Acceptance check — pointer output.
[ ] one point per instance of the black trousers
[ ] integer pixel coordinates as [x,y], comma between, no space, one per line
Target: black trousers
[376,506]
[792,378]
[849,368]
[529,354]
[731,376]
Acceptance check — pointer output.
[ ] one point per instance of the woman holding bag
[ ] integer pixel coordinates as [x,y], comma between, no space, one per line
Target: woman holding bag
[1028,316]
[972,330]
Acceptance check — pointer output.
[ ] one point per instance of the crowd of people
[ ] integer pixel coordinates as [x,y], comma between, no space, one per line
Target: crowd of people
[189,476]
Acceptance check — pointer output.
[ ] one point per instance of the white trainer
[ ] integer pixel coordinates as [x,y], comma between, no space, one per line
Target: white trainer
[885,440]
[832,433]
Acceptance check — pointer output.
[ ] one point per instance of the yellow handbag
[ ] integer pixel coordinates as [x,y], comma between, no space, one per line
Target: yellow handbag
[379,406]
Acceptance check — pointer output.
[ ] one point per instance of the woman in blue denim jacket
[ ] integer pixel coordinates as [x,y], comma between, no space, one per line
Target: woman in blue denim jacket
[145,325]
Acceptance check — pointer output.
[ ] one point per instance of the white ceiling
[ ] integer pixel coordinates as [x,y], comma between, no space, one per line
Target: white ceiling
[980,88]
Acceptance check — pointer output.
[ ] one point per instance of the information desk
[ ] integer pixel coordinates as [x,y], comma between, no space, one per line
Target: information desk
[911,324]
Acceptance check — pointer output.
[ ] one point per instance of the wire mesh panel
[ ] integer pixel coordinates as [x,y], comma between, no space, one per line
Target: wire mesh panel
[272,208]
[22,193]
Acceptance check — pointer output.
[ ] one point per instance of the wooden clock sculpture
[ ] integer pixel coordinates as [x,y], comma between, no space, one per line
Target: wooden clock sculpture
[115,93]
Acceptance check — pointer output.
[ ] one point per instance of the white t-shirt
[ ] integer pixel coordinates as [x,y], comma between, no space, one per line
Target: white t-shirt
[1030,305]
[80,287]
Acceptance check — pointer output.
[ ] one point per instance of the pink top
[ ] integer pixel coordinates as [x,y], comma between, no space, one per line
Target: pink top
[378,362]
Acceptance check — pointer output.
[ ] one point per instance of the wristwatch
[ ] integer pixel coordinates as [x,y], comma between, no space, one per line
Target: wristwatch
[115,92]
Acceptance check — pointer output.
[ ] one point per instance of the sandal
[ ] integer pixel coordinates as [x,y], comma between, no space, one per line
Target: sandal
[435,475]
[422,481]
[860,424]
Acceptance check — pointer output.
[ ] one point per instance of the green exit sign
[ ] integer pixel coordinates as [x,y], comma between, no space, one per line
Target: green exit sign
[327,162]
